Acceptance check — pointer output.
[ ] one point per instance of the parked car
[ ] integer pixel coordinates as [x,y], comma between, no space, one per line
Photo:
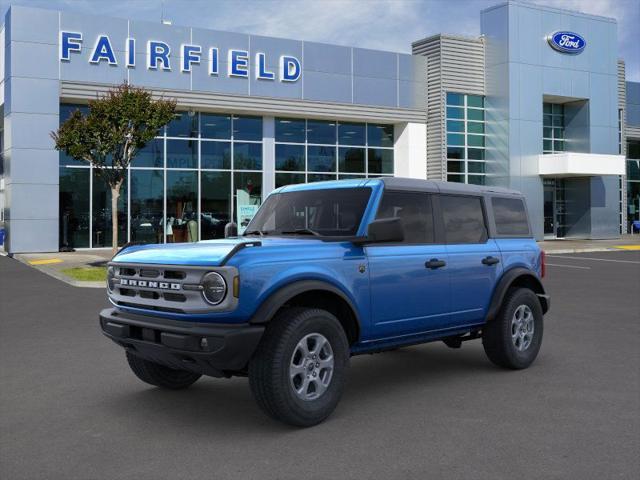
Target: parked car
[326,271]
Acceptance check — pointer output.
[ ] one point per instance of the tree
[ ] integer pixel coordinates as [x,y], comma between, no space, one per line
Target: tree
[117,126]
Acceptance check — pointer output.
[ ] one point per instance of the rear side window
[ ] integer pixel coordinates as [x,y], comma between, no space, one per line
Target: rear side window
[414,211]
[510,215]
[463,219]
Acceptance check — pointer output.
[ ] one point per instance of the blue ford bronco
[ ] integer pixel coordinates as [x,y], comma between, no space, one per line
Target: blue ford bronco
[329,270]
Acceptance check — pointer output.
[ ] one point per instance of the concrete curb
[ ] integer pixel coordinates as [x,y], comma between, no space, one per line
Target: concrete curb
[61,277]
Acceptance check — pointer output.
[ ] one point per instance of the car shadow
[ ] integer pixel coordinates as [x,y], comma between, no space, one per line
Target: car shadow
[228,405]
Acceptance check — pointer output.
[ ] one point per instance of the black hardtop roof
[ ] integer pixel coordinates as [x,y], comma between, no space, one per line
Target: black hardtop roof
[400,183]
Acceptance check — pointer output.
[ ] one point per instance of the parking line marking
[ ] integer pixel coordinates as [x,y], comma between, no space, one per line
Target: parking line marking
[568,266]
[628,247]
[595,259]
[47,261]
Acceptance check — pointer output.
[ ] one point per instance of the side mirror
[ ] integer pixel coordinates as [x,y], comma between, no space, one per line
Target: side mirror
[384,230]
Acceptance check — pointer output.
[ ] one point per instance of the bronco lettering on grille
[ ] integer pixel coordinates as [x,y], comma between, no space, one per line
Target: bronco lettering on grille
[130,282]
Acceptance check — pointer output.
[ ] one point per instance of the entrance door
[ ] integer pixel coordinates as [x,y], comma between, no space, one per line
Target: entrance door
[555,208]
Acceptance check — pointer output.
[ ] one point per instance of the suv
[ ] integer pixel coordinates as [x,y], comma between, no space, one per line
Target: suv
[329,270]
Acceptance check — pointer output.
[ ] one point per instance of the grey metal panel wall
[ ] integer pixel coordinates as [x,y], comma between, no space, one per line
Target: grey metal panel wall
[454,64]
[74,91]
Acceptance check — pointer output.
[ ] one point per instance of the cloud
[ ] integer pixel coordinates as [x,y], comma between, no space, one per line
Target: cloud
[378,24]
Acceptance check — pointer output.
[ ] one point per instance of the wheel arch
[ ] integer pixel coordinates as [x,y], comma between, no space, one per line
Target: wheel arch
[516,277]
[312,294]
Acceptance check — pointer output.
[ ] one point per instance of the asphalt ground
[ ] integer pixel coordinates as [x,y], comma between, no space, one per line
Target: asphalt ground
[71,409]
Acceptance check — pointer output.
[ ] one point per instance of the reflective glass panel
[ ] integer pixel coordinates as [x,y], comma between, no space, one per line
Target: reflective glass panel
[182,206]
[184,124]
[351,160]
[455,139]
[477,115]
[455,126]
[215,126]
[320,131]
[380,161]
[455,98]
[475,101]
[283,179]
[247,128]
[146,197]
[215,155]
[151,155]
[215,203]
[321,159]
[182,153]
[290,157]
[247,156]
[351,133]
[379,135]
[290,130]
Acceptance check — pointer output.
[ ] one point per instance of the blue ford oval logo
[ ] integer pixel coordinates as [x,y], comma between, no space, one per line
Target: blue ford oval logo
[567,42]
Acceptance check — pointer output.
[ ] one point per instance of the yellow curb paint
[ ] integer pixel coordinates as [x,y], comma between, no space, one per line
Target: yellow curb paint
[48,261]
[628,247]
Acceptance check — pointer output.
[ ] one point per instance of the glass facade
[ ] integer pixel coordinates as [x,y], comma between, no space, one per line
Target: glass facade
[181,187]
[185,184]
[633,181]
[465,130]
[316,150]
[552,128]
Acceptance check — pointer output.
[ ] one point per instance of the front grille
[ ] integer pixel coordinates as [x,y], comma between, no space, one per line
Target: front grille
[167,288]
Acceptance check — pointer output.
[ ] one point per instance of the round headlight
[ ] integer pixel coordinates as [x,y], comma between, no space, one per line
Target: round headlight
[111,273]
[214,288]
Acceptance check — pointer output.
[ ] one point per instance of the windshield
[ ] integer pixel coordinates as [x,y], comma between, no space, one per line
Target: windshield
[334,212]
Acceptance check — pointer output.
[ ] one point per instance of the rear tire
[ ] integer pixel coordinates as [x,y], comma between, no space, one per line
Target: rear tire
[513,338]
[159,375]
[297,374]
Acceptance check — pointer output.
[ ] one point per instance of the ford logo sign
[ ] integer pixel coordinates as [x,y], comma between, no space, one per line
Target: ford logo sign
[567,42]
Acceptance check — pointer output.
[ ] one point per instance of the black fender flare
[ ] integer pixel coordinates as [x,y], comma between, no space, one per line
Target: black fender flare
[508,278]
[280,297]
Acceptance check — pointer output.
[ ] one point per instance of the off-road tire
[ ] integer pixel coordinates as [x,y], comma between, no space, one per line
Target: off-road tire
[159,375]
[497,334]
[269,374]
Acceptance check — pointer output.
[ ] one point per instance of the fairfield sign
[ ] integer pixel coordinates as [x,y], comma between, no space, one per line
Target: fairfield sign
[159,56]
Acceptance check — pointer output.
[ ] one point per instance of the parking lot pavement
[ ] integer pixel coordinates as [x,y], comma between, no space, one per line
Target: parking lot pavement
[70,409]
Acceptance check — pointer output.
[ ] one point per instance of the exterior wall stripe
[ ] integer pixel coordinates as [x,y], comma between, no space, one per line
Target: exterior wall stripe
[74,91]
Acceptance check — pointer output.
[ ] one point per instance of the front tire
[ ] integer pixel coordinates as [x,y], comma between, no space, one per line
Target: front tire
[297,374]
[159,375]
[513,338]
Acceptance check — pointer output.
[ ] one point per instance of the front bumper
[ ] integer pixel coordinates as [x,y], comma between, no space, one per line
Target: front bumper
[216,350]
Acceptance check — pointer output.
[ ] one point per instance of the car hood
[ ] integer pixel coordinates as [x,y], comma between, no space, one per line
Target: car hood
[204,253]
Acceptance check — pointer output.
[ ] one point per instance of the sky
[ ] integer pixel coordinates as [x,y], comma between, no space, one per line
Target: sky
[378,24]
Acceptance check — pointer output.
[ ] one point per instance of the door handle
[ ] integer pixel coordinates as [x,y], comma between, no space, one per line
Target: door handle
[435,263]
[490,261]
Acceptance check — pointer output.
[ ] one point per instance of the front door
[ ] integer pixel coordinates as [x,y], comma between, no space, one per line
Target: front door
[409,280]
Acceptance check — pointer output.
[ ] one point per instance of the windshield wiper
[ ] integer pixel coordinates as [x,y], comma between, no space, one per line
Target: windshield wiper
[301,231]
[255,232]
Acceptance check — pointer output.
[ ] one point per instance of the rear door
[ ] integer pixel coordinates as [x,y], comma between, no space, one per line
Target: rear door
[474,259]
[409,280]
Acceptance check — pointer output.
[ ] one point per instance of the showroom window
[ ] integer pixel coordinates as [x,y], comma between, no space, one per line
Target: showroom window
[552,128]
[182,186]
[465,130]
[315,150]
